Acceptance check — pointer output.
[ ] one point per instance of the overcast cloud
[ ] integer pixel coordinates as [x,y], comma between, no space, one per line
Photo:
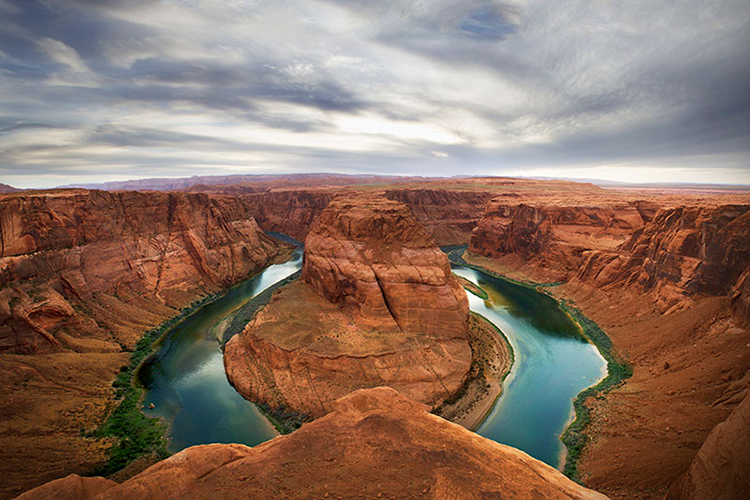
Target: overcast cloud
[98,90]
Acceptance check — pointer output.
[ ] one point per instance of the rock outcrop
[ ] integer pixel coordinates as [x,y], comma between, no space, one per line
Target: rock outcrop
[448,215]
[721,468]
[682,252]
[375,443]
[377,305]
[104,266]
[551,237]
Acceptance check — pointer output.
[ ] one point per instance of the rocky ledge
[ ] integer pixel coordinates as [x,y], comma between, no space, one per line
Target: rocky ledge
[375,444]
[377,305]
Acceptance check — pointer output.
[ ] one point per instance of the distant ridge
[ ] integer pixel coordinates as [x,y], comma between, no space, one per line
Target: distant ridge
[4,188]
[179,183]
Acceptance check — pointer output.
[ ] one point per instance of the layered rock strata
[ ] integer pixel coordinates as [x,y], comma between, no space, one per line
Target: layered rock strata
[84,268]
[685,251]
[377,305]
[722,466]
[553,239]
[375,443]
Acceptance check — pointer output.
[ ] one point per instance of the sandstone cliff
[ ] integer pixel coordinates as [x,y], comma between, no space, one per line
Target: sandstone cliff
[683,252]
[83,266]
[374,444]
[378,305]
[554,238]
[721,468]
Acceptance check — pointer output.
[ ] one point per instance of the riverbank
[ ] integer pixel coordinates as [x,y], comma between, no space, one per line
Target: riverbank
[138,439]
[577,434]
[492,358]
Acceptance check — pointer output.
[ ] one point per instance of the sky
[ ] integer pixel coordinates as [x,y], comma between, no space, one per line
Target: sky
[635,91]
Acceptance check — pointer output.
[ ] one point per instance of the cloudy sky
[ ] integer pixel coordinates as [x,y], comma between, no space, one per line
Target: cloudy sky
[98,90]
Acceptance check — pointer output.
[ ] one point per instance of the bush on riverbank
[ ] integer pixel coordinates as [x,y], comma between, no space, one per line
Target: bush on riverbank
[137,434]
[574,436]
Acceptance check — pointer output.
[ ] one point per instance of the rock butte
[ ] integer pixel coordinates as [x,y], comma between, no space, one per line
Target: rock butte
[378,305]
[375,443]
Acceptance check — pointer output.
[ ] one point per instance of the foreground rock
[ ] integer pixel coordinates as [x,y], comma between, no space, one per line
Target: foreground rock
[375,443]
[722,467]
[377,305]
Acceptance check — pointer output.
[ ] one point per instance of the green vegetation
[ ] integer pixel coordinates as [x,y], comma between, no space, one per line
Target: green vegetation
[574,436]
[285,421]
[137,434]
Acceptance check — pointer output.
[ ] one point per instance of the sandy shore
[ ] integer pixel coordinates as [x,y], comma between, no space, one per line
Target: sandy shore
[492,359]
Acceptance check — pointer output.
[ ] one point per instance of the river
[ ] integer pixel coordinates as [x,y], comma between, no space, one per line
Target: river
[185,380]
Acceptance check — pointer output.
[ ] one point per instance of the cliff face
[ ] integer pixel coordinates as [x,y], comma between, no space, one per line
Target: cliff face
[722,466]
[291,212]
[448,215]
[375,443]
[378,305]
[370,252]
[77,267]
[554,237]
[683,252]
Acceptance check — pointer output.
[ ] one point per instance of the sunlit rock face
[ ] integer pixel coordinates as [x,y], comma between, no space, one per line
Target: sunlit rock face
[375,443]
[81,265]
[377,305]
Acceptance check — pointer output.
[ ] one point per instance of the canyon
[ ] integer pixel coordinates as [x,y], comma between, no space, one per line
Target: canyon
[377,305]
[663,272]
[83,274]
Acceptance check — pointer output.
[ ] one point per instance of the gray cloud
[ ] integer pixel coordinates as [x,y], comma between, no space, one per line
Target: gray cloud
[126,88]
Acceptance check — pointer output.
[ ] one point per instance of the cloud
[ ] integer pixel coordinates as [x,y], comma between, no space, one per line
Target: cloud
[124,87]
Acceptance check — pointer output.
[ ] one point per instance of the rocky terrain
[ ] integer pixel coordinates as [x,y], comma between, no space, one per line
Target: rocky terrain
[671,292]
[377,305]
[83,274]
[720,469]
[374,444]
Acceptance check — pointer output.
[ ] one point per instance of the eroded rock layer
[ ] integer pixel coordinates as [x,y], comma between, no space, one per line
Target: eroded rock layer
[722,466]
[90,270]
[553,237]
[374,444]
[377,305]
[682,252]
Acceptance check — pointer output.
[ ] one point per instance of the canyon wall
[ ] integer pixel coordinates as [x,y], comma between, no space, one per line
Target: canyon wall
[90,270]
[554,238]
[374,444]
[448,215]
[683,252]
[671,289]
[377,305]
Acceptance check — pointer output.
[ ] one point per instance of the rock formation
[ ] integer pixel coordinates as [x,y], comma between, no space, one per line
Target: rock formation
[721,468]
[378,305]
[553,238]
[374,444]
[682,252]
[105,265]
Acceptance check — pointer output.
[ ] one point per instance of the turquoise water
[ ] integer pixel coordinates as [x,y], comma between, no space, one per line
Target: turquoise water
[185,378]
[553,363]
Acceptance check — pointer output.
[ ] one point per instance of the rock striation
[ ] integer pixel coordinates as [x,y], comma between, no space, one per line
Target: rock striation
[377,305]
[682,252]
[104,266]
[376,443]
[554,238]
[722,466]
